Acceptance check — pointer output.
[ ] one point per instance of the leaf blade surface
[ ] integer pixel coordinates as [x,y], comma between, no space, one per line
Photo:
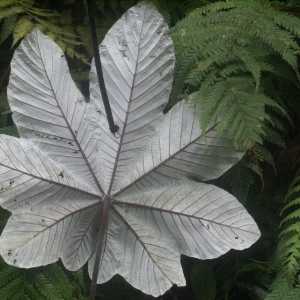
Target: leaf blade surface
[49,109]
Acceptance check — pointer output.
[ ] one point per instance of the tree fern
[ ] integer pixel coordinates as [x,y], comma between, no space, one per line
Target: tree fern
[46,288]
[22,27]
[283,291]
[10,11]
[239,180]
[287,258]
[225,52]
[4,3]
[280,292]
[294,294]
[58,278]
[7,27]
[49,282]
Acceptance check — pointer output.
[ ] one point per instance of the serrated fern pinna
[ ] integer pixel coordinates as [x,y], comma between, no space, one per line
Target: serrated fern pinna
[287,258]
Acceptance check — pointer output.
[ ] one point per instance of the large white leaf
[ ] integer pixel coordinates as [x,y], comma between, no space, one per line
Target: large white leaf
[138,61]
[67,167]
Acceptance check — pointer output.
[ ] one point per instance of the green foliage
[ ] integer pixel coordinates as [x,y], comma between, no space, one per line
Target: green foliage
[19,17]
[287,259]
[228,53]
[3,108]
[239,179]
[8,26]
[10,130]
[203,281]
[49,282]
[22,27]
[282,291]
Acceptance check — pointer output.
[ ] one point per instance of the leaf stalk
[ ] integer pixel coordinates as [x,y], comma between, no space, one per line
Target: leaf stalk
[91,8]
[99,246]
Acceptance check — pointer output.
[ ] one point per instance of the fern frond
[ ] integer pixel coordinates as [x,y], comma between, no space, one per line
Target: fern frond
[58,278]
[66,40]
[233,69]
[55,28]
[30,9]
[241,183]
[218,47]
[7,27]
[240,178]
[273,136]
[295,186]
[293,215]
[264,154]
[280,291]
[294,294]
[294,202]
[252,266]
[50,282]
[288,245]
[22,28]
[8,291]
[4,3]
[243,112]
[7,275]
[288,249]
[29,17]
[281,69]
[254,166]
[221,6]
[10,11]
[184,63]
[289,22]
[292,194]
[251,63]
[278,40]
[45,288]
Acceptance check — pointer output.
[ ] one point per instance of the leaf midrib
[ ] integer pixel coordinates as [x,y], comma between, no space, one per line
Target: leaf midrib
[52,181]
[121,203]
[128,110]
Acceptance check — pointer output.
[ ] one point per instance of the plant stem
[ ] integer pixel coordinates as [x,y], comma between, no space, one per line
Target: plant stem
[91,8]
[98,251]
[113,128]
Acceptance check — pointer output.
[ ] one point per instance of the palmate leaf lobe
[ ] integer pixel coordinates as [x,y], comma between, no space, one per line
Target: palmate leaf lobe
[67,175]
